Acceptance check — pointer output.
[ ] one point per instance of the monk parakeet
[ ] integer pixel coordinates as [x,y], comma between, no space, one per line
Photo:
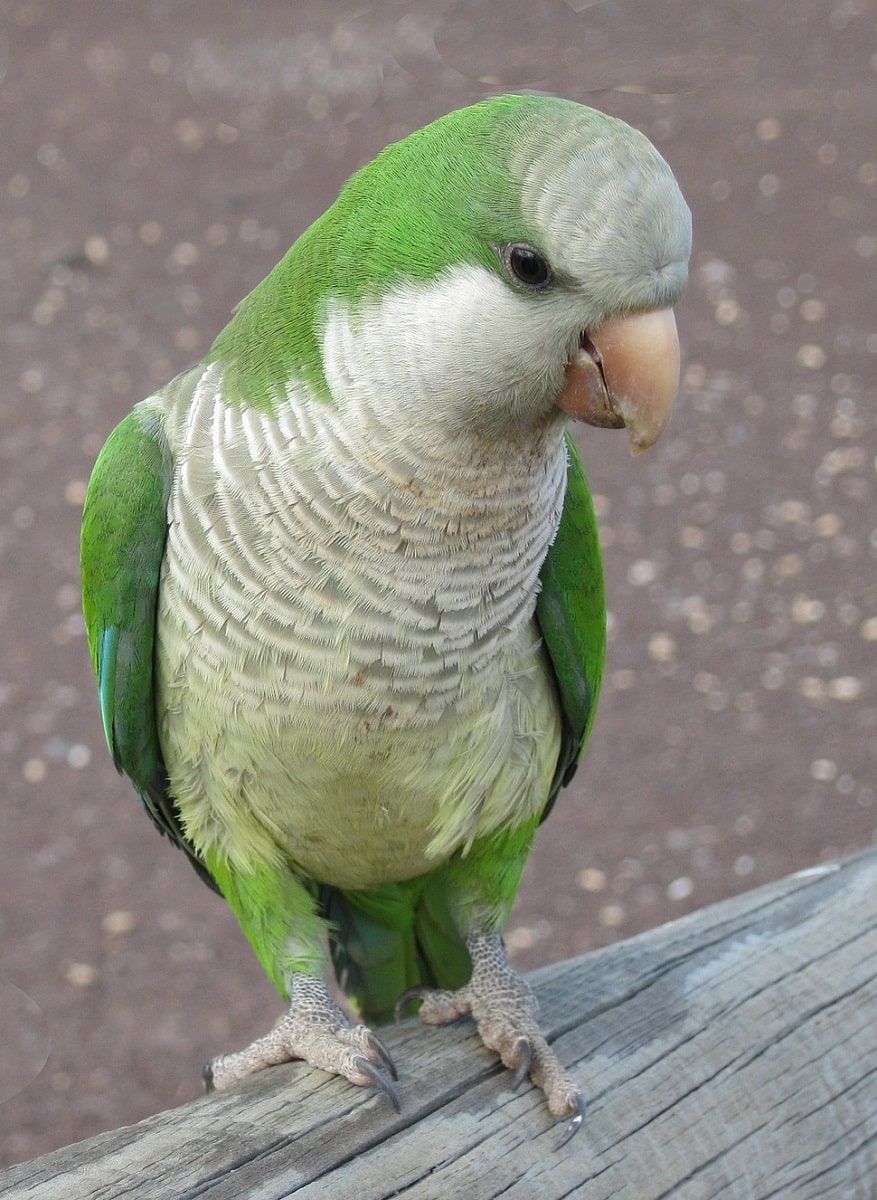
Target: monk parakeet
[341,581]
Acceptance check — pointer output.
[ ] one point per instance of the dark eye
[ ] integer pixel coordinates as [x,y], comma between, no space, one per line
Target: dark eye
[527,266]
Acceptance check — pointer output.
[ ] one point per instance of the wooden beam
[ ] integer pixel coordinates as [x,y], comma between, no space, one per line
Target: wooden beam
[732,1053]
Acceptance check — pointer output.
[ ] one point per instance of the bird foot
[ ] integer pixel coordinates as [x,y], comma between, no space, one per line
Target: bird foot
[506,1012]
[316,1030]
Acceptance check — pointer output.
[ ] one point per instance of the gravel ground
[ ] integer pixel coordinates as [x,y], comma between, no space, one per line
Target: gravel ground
[157,159]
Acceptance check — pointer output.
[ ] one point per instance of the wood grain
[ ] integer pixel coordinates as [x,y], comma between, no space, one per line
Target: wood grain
[731,1054]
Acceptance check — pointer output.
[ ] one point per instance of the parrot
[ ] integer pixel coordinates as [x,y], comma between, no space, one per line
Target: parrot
[341,580]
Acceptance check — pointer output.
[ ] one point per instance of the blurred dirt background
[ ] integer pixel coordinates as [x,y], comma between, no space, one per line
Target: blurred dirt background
[156,158]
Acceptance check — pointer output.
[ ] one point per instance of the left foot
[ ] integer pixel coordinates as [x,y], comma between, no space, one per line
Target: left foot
[506,1013]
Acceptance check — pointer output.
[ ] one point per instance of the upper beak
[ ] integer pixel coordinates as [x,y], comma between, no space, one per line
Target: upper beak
[626,373]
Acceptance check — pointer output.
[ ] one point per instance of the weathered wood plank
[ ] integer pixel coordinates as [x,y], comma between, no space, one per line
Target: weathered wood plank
[730,1054]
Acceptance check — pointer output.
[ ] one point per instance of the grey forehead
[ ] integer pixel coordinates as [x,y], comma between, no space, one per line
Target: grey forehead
[603,199]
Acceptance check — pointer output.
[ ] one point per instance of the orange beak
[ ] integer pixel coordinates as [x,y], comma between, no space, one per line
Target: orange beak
[626,374]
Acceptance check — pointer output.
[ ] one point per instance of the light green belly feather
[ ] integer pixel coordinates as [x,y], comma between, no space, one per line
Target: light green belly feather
[351,800]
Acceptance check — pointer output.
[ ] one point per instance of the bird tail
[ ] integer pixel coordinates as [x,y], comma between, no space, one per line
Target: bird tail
[386,939]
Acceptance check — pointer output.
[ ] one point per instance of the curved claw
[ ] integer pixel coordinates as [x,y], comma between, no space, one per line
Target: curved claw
[524,1048]
[575,1123]
[375,1043]
[412,993]
[379,1080]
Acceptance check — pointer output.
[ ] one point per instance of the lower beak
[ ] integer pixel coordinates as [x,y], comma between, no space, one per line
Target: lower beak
[625,374]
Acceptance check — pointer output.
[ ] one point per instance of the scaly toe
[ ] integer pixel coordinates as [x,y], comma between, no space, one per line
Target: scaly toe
[438,1007]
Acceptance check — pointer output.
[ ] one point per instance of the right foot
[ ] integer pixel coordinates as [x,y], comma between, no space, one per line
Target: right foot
[315,1030]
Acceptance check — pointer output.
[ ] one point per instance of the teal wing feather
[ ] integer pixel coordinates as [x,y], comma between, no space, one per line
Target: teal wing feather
[571,612]
[124,528]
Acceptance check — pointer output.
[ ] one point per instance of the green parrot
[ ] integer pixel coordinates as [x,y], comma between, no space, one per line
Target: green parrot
[342,584]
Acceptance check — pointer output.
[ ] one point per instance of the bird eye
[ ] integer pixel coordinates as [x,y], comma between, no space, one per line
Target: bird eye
[527,266]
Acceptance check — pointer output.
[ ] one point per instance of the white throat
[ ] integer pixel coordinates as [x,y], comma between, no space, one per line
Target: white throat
[387,550]
[461,358]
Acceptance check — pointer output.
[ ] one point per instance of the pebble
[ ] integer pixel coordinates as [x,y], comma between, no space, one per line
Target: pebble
[681,888]
[119,922]
[81,975]
[591,879]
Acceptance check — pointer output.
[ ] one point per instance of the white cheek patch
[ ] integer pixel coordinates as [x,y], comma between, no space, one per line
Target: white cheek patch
[430,346]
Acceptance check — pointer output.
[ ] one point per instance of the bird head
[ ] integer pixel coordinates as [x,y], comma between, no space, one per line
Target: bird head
[511,264]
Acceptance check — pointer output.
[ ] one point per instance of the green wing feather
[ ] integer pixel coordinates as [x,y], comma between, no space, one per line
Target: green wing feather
[571,611]
[386,939]
[124,528]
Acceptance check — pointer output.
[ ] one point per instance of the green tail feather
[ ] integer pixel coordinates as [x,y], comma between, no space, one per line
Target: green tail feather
[387,939]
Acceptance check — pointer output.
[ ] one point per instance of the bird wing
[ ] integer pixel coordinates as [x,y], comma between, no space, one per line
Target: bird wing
[124,528]
[571,612]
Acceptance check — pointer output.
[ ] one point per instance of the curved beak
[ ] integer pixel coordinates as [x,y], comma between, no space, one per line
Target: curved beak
[625,374]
